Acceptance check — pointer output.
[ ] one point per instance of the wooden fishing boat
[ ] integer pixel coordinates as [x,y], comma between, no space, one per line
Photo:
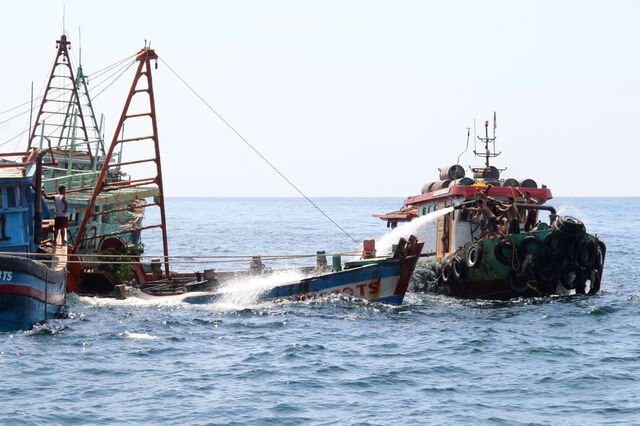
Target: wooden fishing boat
[32,279]
[532,258]
[378,279]
[112,222]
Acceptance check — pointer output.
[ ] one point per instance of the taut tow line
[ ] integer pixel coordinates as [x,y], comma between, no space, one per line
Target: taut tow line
[255,150]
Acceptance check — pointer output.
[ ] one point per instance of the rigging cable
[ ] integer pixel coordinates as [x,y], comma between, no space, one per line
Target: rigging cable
[256,151]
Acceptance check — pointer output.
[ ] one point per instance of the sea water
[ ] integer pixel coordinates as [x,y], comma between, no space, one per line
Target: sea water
[433,360]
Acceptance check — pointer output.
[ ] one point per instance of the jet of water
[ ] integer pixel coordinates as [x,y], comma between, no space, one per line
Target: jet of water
[420,227]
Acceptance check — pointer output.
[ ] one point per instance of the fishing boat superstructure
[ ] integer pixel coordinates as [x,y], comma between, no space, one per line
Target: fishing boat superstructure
[469,261]
[66,124]
[32,279]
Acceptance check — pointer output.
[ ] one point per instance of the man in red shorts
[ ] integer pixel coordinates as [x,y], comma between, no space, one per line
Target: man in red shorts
[61,220]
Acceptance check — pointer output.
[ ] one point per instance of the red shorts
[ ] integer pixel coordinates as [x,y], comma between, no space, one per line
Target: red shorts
[61,222]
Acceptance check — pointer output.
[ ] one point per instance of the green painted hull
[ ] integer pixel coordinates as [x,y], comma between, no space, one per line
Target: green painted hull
[542,262]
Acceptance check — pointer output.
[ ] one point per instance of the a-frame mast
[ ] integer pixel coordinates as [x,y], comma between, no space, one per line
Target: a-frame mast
[106,182]
[61,63]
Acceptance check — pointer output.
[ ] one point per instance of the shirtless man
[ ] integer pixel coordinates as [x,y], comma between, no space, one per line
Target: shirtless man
[513,215]
[532,214]
[486,212]
[61,221]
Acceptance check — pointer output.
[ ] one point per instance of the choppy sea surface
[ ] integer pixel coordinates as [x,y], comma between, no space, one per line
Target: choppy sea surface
[433,360]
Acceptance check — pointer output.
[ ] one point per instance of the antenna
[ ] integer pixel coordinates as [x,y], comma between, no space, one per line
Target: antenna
[79,46]
[64,10]
[467,147]
[486,140]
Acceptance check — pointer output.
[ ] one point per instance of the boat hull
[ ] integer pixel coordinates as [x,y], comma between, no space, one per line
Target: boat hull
[537,263]
[30,293]
[383,280]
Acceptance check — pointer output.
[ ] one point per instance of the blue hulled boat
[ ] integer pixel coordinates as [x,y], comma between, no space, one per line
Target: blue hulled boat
[377,279]
[33,278]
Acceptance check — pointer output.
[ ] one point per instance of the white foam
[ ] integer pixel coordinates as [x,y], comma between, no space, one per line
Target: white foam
[138,336]
[423,227]
[246,291]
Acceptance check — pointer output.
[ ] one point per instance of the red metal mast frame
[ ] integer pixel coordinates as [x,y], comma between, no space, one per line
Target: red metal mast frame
[62,60]
[144,57]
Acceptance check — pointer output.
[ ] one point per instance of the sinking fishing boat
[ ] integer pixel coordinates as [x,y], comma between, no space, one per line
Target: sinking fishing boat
[376,279]
[525,256]
[32,279]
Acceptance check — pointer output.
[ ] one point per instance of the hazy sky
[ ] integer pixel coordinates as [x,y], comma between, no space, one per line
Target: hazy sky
[358,98]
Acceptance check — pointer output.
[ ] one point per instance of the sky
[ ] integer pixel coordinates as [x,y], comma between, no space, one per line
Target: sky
[356,98]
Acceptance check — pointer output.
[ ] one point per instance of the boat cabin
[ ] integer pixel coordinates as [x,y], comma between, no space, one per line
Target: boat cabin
[16,208]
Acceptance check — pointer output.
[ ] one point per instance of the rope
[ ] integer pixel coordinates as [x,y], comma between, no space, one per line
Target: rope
[21,105]
[131,262]
[515,261]
[121,70]
[256,151]
[220,257]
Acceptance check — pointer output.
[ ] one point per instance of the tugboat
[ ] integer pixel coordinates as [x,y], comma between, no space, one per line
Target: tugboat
[525,257]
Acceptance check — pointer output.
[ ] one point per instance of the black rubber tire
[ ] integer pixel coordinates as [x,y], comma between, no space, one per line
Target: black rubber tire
[598,268]
[568,227]
[587,254]
[503,251]
[458,267]
[555,243]
[512,282]
[474,255]
[528,242]
[546,269]
[446,272]
[580,283]
[568,277]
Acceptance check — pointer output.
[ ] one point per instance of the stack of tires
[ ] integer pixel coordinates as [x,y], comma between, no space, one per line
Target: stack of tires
[566,255]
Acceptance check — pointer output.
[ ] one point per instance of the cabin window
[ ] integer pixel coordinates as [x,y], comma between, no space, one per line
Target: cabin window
[1,199]
[11,197]
[465,216]
[435,207]
[424,211]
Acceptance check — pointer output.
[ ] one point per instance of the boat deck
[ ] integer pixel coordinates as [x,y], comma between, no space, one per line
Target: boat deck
[59,255]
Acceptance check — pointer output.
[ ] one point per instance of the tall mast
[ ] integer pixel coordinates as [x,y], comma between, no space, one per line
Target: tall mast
[110,178]
[61,69]
[489,152]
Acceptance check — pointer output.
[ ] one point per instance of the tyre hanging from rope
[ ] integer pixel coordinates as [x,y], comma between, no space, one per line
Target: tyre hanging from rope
[458,267]
[530,245]
[569,228]
[474,255]
[514,285]
[596,274]
[503,251]
[555,243]
[446,272]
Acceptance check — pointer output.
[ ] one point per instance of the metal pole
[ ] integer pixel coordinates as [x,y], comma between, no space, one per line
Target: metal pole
[152,103]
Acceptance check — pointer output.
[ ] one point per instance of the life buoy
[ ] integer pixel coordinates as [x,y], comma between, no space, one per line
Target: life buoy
[474,255]
[503,251]
[458,267]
